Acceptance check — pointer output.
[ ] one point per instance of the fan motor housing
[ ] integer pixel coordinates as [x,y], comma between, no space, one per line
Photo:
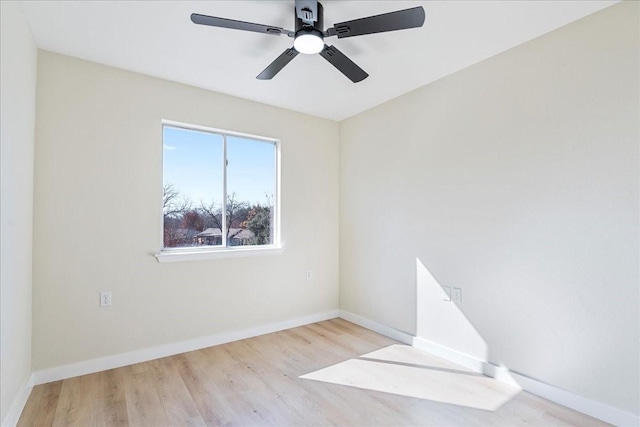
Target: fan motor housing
[318,25]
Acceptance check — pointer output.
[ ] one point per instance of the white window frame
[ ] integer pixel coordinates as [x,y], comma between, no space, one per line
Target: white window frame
[224,251]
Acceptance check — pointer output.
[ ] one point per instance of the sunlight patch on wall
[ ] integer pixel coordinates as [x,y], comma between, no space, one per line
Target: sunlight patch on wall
[442,322]
[407,371]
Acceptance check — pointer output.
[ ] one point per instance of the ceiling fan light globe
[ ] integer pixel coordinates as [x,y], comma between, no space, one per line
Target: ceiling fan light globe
[308,43]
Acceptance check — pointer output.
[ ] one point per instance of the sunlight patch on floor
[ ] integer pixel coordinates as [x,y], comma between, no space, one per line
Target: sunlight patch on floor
[407,371]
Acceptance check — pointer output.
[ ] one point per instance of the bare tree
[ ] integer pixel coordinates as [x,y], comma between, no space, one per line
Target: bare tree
[270,199]
[236,210]
[213,213]
[174,206]
[174,203]
[236,213]
[193,220]
[260,221]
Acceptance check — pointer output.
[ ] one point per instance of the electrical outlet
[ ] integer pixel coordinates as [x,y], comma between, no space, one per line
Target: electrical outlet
[308,272]
[105,298]
[456,296]
[447,293]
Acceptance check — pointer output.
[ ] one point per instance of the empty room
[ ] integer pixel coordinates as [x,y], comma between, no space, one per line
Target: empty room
[292,212]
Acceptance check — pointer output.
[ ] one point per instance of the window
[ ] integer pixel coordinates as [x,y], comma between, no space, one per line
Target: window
[220,189]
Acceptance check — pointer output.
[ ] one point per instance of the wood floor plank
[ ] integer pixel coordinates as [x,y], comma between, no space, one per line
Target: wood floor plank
[41,406]
[109,403]
[75,403]
[174,396]
[323,374]
[195,373]
[144,407]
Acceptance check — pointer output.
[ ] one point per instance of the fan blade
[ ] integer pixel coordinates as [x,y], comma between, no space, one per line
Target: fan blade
[399,20]
[277,65]
[343,64]
[214,21]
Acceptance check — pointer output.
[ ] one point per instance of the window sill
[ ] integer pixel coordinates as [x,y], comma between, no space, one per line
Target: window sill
[203,255]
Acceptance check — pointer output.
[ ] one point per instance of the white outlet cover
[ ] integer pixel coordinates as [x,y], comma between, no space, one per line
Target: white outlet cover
[447,293]
[457,295]
[105,298]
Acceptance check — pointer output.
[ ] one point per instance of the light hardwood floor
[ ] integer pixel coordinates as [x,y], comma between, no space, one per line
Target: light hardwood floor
[352,377]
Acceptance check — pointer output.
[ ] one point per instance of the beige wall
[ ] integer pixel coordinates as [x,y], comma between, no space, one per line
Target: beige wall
[97,217]
[18,85]
[516,180]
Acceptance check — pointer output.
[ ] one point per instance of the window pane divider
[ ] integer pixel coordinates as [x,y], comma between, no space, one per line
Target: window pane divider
[225,163]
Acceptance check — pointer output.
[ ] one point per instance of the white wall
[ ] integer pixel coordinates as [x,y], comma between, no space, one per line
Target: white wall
[516,180]
[18,86]
[98,177]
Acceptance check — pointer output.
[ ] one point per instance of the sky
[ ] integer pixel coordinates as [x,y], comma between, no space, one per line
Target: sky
[193,163]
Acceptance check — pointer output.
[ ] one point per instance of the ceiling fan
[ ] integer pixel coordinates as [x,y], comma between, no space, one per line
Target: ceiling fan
[309,35]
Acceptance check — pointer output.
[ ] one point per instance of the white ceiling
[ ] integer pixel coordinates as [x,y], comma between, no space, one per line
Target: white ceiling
[158,39]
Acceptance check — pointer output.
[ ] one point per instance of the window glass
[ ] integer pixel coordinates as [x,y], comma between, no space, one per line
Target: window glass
[251,184]
[219,189]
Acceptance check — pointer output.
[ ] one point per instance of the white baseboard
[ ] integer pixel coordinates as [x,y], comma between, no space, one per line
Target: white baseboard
[18,404]
[144,355]
[377,327]
[500,373]
[578,403]
[451,355]
[582,404]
